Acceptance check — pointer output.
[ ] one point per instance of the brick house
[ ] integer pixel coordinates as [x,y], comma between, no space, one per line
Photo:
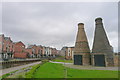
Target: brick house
[18,47]
[22,55]
[33,50]
[68,52]
[40,51]
[6,47]
[1,46]
[43,52]
[47,51]
[29,51]
[19,50]
[63,51]
[54,52]
[10,49]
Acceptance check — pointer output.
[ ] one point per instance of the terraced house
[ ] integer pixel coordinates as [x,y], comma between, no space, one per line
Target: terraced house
[68,52]
[47,51]
[10,49]
[6,47]
[19,50]
[54,52]
[34,51]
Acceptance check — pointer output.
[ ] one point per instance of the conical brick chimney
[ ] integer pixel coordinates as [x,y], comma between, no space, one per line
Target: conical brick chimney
[101,43]
[81,47]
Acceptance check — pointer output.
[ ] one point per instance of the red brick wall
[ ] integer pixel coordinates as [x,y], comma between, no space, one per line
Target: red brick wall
[20,55]
[40,49]
[28,51]
[1,41]
[7,45]
[54,51]
[19,47]
[34,49]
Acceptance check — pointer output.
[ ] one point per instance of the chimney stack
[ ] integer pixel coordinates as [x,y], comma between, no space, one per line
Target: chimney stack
[82,50]
[101,45]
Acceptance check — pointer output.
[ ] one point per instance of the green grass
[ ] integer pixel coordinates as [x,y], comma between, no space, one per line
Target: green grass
[50,70]
[66,61]
[30,73]
[75,73]
[8,74]
[54,70]
[17,75]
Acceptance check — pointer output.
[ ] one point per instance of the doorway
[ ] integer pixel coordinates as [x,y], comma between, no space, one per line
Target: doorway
[77,59]
[99,60]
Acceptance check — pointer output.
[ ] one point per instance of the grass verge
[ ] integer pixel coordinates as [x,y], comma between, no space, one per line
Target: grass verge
[50,70]
[6,75]
[30,74]
[60,60]
[54,70]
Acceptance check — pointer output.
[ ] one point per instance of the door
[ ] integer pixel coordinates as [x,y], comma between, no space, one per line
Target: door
[77,59]
[99,60]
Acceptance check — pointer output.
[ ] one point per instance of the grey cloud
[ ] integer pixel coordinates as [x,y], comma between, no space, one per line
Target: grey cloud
[55,24]
[0,17]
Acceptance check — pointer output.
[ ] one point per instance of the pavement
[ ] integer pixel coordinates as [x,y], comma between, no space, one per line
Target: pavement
[60,62]
[70,65]
[8,70]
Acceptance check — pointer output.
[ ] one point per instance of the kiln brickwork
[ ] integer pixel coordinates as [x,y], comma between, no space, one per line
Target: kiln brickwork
[102,51]
[101,45]
[81,46]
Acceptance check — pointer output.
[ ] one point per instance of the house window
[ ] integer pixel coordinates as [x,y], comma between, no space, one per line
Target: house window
[22,46]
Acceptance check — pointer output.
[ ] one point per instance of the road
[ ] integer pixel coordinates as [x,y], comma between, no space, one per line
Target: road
[8,70]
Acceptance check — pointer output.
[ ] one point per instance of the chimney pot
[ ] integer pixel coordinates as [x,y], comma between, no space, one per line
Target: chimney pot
[80,24]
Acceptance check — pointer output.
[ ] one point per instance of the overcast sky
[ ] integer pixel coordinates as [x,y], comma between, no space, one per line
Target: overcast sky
[55,23]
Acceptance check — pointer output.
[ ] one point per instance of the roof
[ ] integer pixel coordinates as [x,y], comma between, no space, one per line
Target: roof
[1,34]
[7,38]
[64,47]
[72,47]
[30,46]
[14,42]
[19,42]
